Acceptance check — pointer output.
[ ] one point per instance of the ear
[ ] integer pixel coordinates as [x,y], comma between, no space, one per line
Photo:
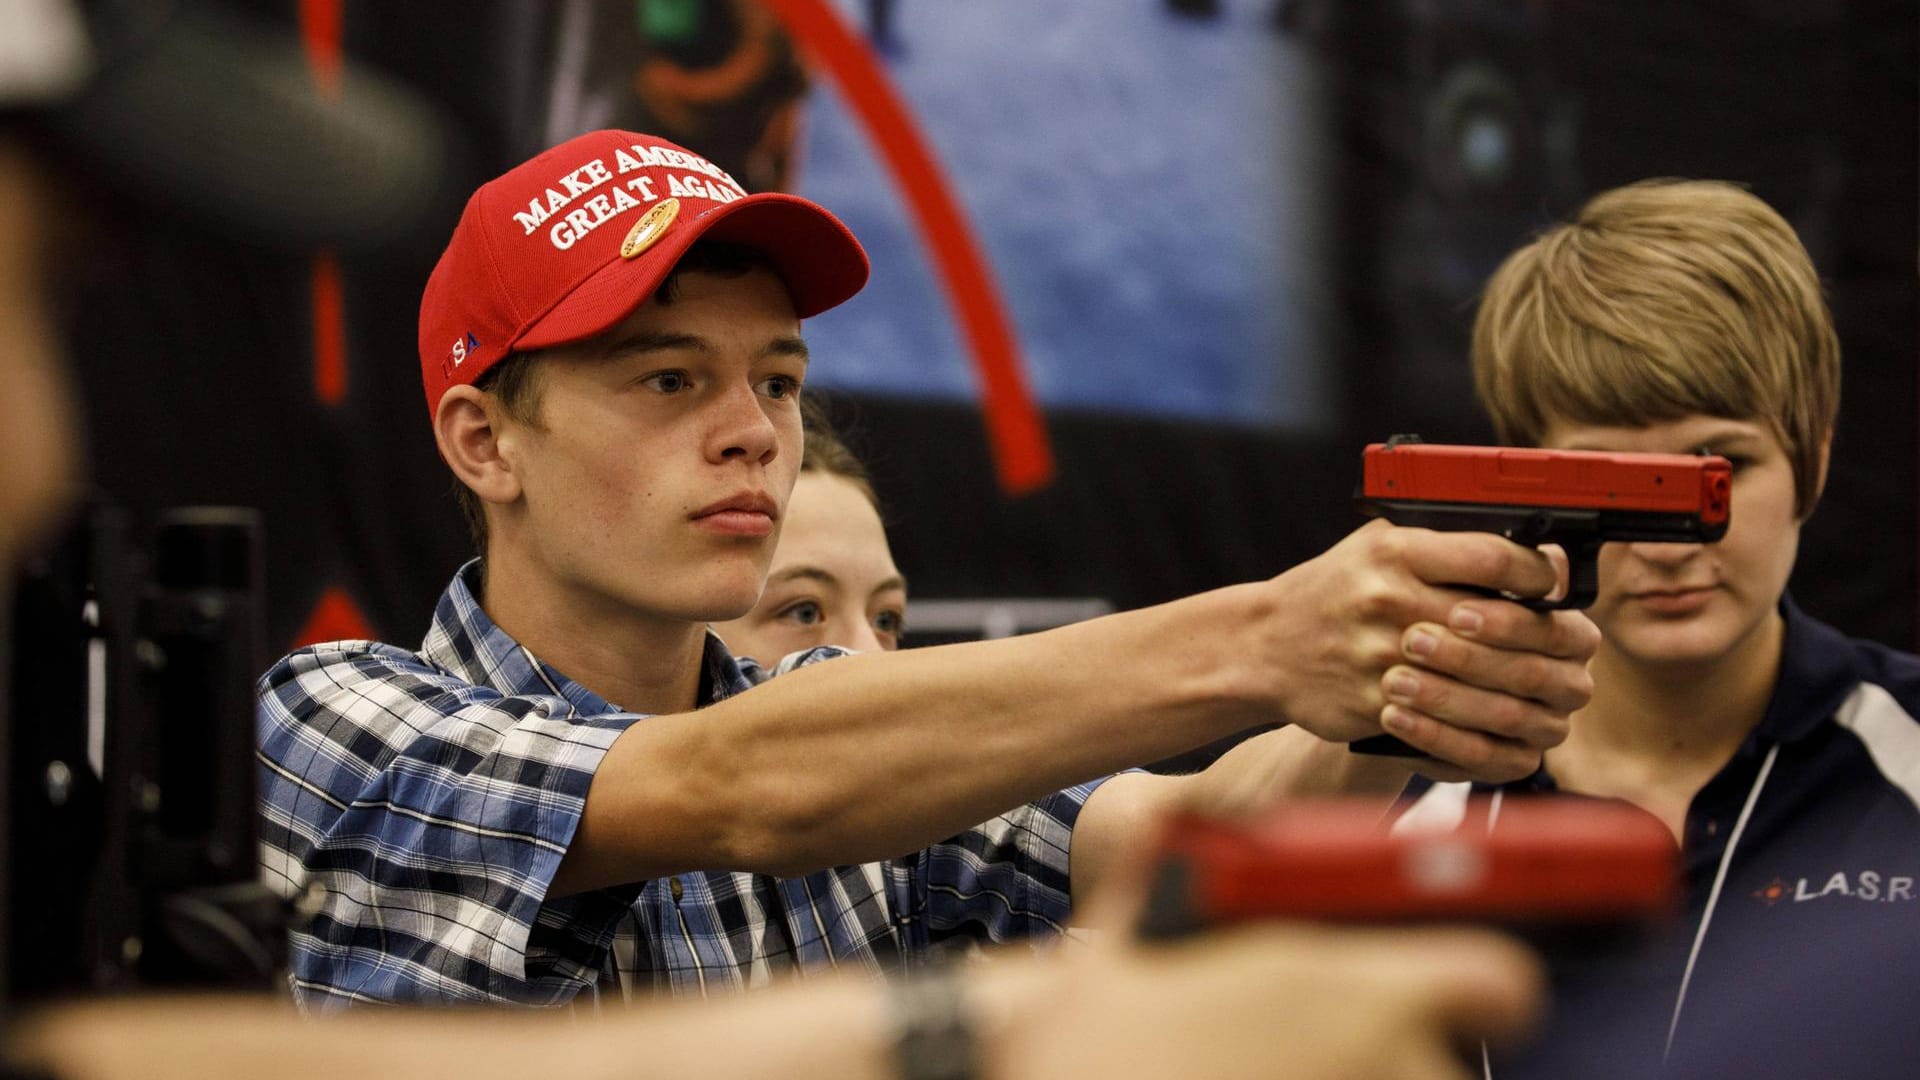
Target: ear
[467,427]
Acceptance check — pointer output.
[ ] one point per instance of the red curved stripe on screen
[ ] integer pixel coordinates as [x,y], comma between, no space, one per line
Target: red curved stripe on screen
[320,34]
[1022,454]
[334,618]
[329,331]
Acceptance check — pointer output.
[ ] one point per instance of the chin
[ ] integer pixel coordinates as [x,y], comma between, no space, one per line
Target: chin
[723,600]
[1687,656]
[708,598]
[1689,643]
[719,589]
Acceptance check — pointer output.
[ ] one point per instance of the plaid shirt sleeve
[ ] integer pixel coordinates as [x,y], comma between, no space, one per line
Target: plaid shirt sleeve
[427,816]
[1004,879]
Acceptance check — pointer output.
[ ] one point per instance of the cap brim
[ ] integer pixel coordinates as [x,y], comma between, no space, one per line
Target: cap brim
[219,120]
[814,254]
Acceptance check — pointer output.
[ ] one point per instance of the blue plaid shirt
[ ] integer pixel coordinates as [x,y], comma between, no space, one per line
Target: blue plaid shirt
[421,801]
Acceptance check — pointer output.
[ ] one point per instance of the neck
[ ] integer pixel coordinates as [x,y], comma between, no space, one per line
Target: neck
[1678,723]
[641,662]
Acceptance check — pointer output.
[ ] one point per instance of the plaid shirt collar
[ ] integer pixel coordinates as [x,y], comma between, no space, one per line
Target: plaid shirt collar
[466,642]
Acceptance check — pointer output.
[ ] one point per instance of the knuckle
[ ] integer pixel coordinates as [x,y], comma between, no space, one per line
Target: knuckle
[1563,685]
[1581,634]
[1375,598]
[1508,716]
[1475,755]
[1555,733]
[1537,679]
[1580,688]
[1516,764]
[1543,730]
[1388,545]
[1491,759]
[1379,656]
[1498,621]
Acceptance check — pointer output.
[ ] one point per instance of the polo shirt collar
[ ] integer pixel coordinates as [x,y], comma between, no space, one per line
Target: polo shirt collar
[1818,669]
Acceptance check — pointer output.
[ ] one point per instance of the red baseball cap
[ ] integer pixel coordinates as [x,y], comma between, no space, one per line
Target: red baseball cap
[566,245]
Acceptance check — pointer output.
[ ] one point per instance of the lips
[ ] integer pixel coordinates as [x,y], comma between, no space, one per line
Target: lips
[750,513]
[1673,601]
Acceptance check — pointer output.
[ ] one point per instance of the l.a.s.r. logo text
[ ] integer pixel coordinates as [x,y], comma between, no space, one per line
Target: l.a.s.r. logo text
[1870,886]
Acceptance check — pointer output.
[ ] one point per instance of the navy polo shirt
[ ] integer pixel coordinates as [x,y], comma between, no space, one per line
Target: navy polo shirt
[1798,950]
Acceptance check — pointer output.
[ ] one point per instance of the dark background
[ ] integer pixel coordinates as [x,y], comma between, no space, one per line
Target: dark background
[197,358]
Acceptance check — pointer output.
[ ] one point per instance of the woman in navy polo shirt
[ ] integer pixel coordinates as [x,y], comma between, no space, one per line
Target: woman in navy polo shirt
[1676,317]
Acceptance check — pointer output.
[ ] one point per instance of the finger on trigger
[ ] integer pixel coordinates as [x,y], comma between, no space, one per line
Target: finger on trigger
[1562,570]
[1483,560]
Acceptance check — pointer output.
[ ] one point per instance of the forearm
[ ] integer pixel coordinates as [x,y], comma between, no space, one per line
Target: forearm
[870,756]
[833,1027]
[1112,839]
[1290,763]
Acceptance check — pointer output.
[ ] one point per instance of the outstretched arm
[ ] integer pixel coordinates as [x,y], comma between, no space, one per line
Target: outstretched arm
[871,756]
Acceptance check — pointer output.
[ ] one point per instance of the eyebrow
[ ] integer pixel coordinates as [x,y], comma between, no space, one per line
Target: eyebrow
[1731,437]
[1718,436]
[792,345]
[794,573]
[815,573]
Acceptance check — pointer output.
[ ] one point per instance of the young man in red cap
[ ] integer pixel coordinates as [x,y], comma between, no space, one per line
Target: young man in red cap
[564,788]
[1335,1003]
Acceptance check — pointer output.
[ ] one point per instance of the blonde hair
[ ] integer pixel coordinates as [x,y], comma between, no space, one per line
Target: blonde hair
[1660,300]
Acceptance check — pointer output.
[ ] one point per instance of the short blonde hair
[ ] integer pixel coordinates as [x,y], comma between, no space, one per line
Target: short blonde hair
[1660,300]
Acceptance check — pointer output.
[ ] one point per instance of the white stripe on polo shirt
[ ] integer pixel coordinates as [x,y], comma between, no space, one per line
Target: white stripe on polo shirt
[1889,733]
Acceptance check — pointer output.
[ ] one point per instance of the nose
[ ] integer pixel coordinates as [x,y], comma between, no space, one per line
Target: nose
[742,429]
[1664,554]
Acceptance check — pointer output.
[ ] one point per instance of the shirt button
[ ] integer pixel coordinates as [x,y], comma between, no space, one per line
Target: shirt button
[674,887]
[1713,828]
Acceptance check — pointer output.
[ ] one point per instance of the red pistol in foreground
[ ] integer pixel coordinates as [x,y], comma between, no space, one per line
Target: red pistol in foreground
[1534,865]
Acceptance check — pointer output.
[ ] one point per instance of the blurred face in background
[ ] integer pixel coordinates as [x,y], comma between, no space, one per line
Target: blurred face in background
[833,580]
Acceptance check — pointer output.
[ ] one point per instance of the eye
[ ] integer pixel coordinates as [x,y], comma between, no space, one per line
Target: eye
[803,613]
[780,387]
[890,623]
[1738,462]
[667,382]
